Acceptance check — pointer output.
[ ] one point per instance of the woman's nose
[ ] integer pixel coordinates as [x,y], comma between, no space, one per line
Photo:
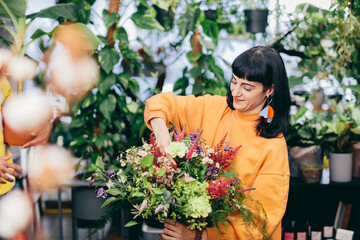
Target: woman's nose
[236,91]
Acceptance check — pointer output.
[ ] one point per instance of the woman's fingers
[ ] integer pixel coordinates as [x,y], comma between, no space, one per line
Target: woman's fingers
[6,157]
[15,167]
[6,177]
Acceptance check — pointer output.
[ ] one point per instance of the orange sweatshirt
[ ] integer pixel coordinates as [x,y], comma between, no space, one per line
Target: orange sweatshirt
[261,163]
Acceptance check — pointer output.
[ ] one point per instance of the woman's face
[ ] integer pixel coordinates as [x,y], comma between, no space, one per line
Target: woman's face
[249,97]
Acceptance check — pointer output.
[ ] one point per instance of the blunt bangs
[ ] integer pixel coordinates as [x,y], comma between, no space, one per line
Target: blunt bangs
[252,65]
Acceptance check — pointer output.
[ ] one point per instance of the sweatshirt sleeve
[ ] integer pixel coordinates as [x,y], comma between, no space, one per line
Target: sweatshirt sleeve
[179,109]
[272,187]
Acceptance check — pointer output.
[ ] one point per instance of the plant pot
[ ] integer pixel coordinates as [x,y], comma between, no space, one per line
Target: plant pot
[14,138]
[299,156]
[311,173]
[341,167]
[355,149]
[256,20]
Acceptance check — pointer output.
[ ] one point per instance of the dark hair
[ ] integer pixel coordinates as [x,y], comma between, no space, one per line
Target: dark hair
[265,65]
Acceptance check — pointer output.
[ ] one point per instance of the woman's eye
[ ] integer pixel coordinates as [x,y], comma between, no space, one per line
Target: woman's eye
[233,81]
[247,89]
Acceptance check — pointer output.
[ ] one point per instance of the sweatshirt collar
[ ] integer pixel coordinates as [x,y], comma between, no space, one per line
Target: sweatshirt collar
[247,116]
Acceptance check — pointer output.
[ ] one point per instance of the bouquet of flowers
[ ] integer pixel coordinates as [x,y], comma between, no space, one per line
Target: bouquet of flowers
[188,183]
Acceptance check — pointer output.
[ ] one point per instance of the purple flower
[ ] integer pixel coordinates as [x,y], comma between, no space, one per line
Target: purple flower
[228,148]
[100,193]
[210,172]
[111,172]
[92,179]
[193,135]
[198,150]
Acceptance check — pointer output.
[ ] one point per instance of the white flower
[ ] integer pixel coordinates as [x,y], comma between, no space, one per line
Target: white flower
[194,154]
[69,76]
[54,164]
[109,184]
[119,173]
[122,163]
[206,160]
[15,214]
[137,160]
[27,111]
[210,161]
[211,150]
[21,68]
[122,179]
[142,153]
[217,165]
[146,146]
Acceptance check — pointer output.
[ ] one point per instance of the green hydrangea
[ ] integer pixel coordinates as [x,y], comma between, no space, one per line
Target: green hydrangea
[177,149]
[199,207]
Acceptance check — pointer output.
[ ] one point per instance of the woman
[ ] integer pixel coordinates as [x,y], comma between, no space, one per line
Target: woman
[259,81]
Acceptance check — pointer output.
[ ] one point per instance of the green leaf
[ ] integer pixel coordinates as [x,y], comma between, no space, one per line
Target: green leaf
[181,83]
[133,107]
[341,127]
[146,21]
[99,163]
[76,123]
[83,11]
[5,41]
[137,194]
[227,174]
[110,19]
[355,88]
[195,72]
[219,73]
[187,21]
[211,29]
[76,142]
[107,59]
[164,4]
[130,54]
[131,223]
[109,201]
[17,7]
[39,33]
[147,161]
[300,113]
[121,35]
[66,10]
[94,40]
[114,191]
[161,172]
[158,191]
[106,84]
[107,106]
[197,89]
[101,141]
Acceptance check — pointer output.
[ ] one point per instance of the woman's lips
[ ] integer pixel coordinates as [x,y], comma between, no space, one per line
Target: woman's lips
[237,100]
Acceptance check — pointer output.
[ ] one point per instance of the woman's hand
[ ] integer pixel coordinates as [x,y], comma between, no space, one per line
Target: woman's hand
[5,168]
[174,230]
[161,133]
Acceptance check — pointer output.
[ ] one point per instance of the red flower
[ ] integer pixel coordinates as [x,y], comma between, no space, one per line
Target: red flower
[219,187]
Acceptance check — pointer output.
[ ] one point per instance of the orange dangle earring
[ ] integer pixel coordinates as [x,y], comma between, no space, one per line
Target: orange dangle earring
[268,111]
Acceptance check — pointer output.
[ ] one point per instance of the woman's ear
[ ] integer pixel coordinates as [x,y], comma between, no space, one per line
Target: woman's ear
[270,90]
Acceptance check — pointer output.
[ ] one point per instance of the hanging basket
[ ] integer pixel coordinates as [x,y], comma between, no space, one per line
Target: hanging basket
[15,138]
[256,20]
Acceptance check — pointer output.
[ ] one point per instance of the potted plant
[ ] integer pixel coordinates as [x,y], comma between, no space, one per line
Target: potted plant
[304,140]
[341,129]
[256,14]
